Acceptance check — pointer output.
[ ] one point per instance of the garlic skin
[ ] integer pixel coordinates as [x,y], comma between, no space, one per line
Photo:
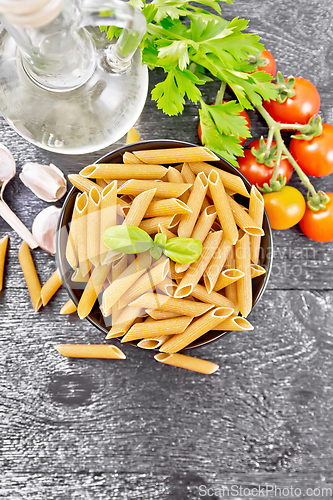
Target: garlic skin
[45,181]
[44,228]
[7,167]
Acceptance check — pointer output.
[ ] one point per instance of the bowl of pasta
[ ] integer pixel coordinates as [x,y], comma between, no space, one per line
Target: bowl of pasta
[172,192]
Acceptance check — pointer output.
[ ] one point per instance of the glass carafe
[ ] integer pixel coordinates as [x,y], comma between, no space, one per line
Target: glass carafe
[63,85]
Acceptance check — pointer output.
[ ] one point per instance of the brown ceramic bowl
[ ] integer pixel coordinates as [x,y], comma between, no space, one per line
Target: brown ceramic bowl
[95,317]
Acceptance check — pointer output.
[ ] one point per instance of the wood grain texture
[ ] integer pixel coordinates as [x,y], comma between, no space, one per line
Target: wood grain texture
[95,429]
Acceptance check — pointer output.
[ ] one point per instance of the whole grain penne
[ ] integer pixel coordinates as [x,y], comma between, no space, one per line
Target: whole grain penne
[230,181]
[222,207]
[199,292]
[92,290]
[187,362]
[194,202]
[121,285]
[81,207]
[234,323]
[124,321]
[151,225]
[121,171]
[204,223]
[94,226]
[157,314]
[139,207]
[83,184]
[216,264]
[227,277]
[244,285]
[118,267]
[71,252]
[257,270]
[130,158]
[164,303]
[187,174]
[90,351]
[175,176]
[194,273]
[146,329]
[68,308]
[163,189]
[176,155]
[167,286]
[102,183]
[169,206]
[108,215]
[154,342]
[196,329]
[256,211]
[151,278]
[230,290]
[30,276]
[3,250]
[243,219]
[77,277]
[51,286]
[163,230]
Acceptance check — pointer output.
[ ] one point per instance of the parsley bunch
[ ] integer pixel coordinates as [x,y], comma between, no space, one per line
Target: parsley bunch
[193,46]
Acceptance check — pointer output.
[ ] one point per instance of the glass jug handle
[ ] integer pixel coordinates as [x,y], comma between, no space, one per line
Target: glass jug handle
[119,14]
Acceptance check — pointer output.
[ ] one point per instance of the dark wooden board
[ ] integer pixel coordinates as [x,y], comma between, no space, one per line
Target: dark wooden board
[134,429]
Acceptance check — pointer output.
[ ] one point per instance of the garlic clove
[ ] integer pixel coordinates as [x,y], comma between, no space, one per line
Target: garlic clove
[7,167]
[44,228]
[45,181]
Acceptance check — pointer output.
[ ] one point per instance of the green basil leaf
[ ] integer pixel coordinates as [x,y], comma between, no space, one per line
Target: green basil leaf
[158,245]
[160,239]
[183,250]
[156,252]
[127,239]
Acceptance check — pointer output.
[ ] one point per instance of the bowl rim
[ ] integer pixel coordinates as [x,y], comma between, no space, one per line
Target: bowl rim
[122,149]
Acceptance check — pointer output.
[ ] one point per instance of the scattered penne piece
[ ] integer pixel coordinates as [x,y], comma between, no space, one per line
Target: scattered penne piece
[176,155]
[3,250]
[68,308]
[132,136]
[51,286]
[30,276]
[187,362]
[90,351]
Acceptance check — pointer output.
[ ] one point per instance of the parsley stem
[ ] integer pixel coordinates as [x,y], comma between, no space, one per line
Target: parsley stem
[220,94]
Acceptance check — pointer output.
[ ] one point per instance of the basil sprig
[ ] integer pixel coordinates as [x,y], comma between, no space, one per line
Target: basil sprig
[131,239]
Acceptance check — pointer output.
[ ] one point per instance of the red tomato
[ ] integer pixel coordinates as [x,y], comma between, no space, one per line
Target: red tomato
[319,225]
[270,68]
[284,208]
[297,109]
[258,173]
[242,113]
[315,157]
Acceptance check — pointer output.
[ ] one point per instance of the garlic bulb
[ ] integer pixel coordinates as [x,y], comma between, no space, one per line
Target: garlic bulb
[44,228]
[45,181]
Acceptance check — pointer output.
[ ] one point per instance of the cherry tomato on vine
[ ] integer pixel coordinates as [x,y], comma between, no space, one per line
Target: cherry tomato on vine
[270,68]
[284,208]
[259,173]
[315,157]
[297,109]
[242,113]
[319,225]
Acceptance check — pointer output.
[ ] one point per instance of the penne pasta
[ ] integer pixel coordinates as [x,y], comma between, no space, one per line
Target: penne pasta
[199,292]
[81,207]
[94,226]
[71,253]
[78,278]
[118,267]
[176,155]
[216,264]
[256,211]
[121,171]
[227,277]
[101,183]
[222,207]
[51,286]
[146,329]
[132,136]
[108,215]
[187,362]
[204,223]
[164,303]
[196,329]
[30,276]
[154,342]
[194,273]
[169,206]
[3,250]
[151,225]
[234,323]
[231,182]
[244,285]
[231,289]
[187,174]
[163,189]
[130,158]
[68,308]
[169,234]
[194,202]
[83,184]
[125,320]
[257,270]
[156,314]
[90,351]
[167,286]
[243,219]
[175,176]
[92,290]
[139,207]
